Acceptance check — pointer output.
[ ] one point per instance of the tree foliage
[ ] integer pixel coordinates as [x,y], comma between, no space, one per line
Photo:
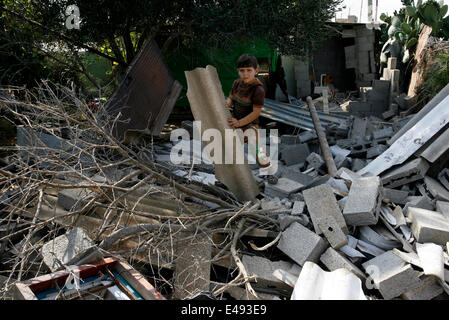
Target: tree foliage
[117,29]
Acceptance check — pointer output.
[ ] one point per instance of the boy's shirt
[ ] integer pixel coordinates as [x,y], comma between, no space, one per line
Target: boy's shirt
[246,96]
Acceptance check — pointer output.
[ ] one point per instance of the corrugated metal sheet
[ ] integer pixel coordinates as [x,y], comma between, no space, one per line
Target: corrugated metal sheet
[146,96]
[316,284]
[299,117]
[207,102]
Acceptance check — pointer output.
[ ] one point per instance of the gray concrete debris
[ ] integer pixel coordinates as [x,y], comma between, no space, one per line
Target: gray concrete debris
[311,248]
[443,207]
[263,269]
[285,220]
[74,199]
[298,208]
[68,249]
[422,202]
[437,191]
[383,133]
[290,139]
[363,204]
[443,177]
[375,151]
[293,173]
[395,196]
[295,154]
[334,260]
[391,275]
[428,289]
[326,215]
[315,161]
[429,226]
[307,136]
[411,171]
[283,188]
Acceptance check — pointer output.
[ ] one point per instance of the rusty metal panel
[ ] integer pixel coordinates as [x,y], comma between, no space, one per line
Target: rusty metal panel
[146,95]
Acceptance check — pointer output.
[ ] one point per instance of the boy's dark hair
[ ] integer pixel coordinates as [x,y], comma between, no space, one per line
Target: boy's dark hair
[247,60]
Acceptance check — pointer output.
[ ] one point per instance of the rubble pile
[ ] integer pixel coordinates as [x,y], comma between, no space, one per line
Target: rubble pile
[72,194]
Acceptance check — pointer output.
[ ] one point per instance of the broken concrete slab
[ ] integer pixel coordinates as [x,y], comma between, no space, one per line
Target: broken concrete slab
[315,161]
[429,226]
[285,220]
[326,214]
[74,199]
[67,249]
[395,196]
[298,208]
[383,133]
[283,188]
[333,260]
[363,203]
[290,139]
[428,289]
[437,191]
[295,154]
[391,275]
[263,269]
[422,202]
[411,171]
[375,151]
[311,248]
[293,173]
[443,207]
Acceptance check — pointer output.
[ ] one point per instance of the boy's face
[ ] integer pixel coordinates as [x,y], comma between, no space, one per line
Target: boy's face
[247,74]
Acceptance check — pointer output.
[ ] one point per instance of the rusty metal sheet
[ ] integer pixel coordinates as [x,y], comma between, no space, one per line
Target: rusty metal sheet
[146,95]
[207,102]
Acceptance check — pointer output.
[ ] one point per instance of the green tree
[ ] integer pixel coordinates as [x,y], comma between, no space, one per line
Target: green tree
[117,29]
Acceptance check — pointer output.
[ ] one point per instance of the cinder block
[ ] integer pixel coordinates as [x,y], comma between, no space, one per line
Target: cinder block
[428,289]
[435,188]
[311,245]
[443,208]
[289,139]
[395,196]
[363,204]
[68,248]
[383,133]
[298,208]
[382,86]
[391,275]
[295,154]
[375,151]
[429,226]
[285,220]
[292,173]
[74,199]
[263,269]
[357,164]
[283,188]
[326,214]
[307,136]
[315,160]
[333,260]
[408,172]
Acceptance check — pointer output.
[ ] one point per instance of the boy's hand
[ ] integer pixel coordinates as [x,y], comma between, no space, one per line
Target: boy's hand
[233,122]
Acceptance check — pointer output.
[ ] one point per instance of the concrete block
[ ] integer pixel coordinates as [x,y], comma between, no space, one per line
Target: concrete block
[333,260]
[435,188]
[315,160]
[422,202]
[307,136]
[289,139]
[295,154]
[392,63]
[443,177]
[429,226]
[285,220]
[357,164]
[263,269]
[408,172]
[74,199]
[375,151]
[358,127]
[364,200]
[395,196]
[298,208]
[382,86]
[341,161]
[443,208]
[388,114]
[391,275]
[311,248]
[283,188]
[383,133]
[67,248]
[294,174]
[326,215]
[428,289]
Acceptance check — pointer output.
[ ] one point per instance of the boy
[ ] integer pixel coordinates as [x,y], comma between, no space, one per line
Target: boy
[247,96]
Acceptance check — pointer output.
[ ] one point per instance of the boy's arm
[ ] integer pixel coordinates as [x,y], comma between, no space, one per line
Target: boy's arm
[228,102]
